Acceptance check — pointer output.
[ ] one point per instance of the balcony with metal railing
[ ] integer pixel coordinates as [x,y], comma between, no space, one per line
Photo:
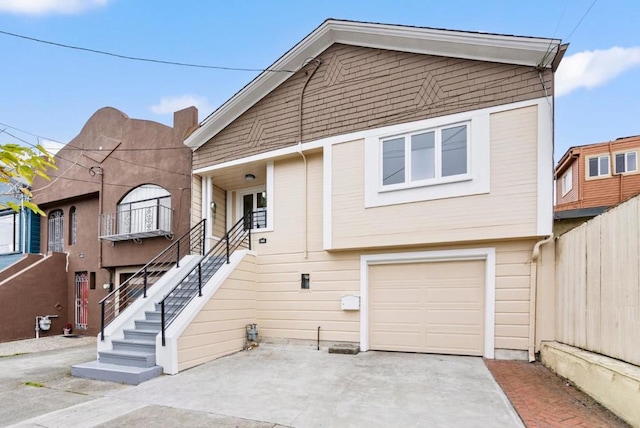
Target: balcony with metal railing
[138,223]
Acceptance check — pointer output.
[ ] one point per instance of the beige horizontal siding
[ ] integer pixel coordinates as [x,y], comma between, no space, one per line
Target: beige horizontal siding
[285,311]
[219,328]
[508,211]
[359,88]
[219,219]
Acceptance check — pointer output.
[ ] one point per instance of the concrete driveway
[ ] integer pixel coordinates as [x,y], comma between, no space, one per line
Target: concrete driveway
[265,387]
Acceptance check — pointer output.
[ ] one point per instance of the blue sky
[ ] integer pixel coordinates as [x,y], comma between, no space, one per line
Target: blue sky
[51,92]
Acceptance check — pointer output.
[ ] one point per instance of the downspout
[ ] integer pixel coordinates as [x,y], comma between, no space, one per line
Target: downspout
[304,158]
[533,294]
[100,209]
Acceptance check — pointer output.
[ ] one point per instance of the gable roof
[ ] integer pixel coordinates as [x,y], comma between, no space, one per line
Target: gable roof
[509,49]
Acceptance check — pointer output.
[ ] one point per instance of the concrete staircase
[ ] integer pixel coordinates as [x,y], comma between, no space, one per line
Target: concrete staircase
[132,359]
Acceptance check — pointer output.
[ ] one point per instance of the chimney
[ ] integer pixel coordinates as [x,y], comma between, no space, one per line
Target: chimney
[185,121]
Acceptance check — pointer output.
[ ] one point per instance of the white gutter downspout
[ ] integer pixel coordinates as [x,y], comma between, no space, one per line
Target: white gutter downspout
[533,293]
[309,76]
[305,199]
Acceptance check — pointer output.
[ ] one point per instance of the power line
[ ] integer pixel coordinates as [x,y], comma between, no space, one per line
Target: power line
[3,131]
[135,58]
[581,19]
[30,133]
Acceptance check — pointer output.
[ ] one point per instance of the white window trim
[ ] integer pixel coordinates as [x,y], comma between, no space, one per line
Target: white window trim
[438,179]
[595,177]
[567,177]
[487,254]
[475,181]
[625,153]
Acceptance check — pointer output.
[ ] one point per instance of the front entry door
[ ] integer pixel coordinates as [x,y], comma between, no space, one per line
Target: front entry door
[82,299]
[254,201]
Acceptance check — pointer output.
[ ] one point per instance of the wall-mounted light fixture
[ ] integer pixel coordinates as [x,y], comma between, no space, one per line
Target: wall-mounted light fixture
[249,177]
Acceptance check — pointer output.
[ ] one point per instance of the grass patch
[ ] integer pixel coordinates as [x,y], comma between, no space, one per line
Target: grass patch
[34,384]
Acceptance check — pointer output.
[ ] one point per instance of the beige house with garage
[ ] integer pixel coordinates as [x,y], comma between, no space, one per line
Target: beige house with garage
[401,184]
[381,185]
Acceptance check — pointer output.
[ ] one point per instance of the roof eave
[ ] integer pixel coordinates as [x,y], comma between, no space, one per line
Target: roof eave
[527,51]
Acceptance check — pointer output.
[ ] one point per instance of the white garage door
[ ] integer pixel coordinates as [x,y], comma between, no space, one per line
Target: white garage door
[435,307]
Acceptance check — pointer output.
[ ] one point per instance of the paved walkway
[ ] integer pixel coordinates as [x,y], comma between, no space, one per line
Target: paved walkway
[543,399]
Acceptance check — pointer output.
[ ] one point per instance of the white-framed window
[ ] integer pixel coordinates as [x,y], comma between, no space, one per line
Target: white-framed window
[9,232]
[626,162]
[598,166]
[567,182]
[425,157]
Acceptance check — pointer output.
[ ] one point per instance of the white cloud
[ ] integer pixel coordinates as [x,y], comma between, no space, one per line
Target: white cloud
[42,7]
[589,69]
[168,105]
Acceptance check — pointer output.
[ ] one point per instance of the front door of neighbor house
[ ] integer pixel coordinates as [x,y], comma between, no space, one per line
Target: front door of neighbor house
[255,201]
[82,299]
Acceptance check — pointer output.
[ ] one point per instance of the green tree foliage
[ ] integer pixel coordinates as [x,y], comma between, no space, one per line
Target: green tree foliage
[19,162]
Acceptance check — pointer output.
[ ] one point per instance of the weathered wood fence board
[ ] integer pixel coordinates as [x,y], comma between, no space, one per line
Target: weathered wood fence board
[598,284]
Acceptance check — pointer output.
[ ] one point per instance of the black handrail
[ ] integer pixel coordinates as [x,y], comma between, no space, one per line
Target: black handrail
[117,300]
[175,301]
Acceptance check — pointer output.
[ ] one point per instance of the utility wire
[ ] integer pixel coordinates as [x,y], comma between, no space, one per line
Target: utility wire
[135,58]
[581,19]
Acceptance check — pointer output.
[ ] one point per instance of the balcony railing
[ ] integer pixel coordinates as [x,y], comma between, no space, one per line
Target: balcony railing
[136,223]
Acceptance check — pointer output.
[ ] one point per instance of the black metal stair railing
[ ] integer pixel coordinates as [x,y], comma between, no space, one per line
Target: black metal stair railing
[137,285]
[239,235]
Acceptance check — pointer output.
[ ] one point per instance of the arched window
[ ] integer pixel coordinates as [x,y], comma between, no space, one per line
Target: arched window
[56,231]
[73,225]
[144,209]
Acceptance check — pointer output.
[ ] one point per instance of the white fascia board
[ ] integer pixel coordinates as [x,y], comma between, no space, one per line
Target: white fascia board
[457,44]
[527,51]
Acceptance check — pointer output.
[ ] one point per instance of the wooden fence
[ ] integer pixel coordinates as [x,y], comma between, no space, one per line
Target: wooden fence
[598,284]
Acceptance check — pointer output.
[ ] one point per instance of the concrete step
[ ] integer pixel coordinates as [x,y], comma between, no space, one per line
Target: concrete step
[128,358]
[145,335]
[153,315]
[149,325]
[115,373]
[134,345]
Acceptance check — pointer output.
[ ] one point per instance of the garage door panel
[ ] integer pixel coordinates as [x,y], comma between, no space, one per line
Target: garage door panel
[427,307]
[472,318]
[451,294]
[397,295]
[403,317]
[401,341]
[463,344]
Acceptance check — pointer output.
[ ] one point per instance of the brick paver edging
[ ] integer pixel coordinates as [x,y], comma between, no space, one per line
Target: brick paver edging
[543,399]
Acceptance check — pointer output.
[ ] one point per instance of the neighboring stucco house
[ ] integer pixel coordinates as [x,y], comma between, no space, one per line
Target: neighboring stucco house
[19,230]
[396,182]
[120,194]
[594,177]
